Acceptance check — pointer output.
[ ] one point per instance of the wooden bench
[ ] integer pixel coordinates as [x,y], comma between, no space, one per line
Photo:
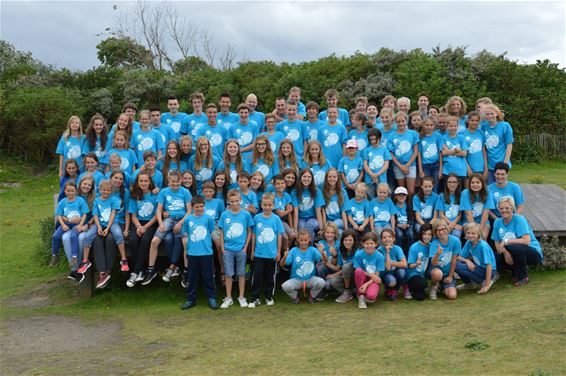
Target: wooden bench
[545,209]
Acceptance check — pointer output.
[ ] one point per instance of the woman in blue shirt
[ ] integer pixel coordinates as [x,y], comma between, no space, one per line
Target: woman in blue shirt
[476,264]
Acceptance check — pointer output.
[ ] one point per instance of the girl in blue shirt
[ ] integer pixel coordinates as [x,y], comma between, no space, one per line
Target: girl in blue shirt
[329,269]
[188,182]
[358,210]
[203,164]
[172,161]
[233,163]
[335,197]
[220,186]
[121,146]
[417,265]
[368,264]
[308,203]
[476,264]
[404,148]
[263,159]
[71,174]
[498,139]
[454,150]
[142,207]
[287,157]
[429,161]
[476,203]
[383,215]
[477,157]
[91,168]
[316,162]
[351,167]
[96,138]
[117,178]
[348,247]
[424,203]
[395,264]
[70,144]
[274,136]
[124,123]
[376,162]
[187,150]
[448,205]
[444,251]
[257,185]
[359,133]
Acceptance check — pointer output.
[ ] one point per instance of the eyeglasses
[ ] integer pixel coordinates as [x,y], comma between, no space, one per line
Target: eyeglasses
[442,229]
[261,144]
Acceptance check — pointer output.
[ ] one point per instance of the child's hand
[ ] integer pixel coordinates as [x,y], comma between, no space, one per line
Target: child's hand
[155,191]
[252,255]
[165,214]
[105,231]
[363,289]
[333,251]
[448,279]
[320,247]
[65,227]
[177,228]
[419,262]
[100,231]
[439,250]
[140,230]
[471,265]
[126,232]
[388,248]
[286,254]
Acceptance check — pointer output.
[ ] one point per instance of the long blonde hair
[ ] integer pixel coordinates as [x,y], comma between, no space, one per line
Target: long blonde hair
[67,132]
[307,157]
[198,155]
[268,158]
[292,157]
[227,162]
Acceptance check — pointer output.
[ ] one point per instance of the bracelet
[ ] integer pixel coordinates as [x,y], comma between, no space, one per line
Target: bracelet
[505,242]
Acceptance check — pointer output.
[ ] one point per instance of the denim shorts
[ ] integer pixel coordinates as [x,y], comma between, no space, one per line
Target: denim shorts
[234,261]
[169,223]
[400,175]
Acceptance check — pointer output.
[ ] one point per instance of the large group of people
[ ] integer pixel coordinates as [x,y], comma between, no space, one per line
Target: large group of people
[343,202]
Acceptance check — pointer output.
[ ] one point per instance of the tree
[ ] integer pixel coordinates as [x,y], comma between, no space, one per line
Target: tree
[124,52]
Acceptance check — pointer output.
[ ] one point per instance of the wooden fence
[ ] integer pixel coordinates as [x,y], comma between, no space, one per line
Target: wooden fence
[554,144]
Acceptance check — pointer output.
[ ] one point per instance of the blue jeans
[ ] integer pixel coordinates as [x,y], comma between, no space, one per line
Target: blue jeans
[58,239]
[393,279]
[67,247]
[478,275]
[431,169]
[372,191]
[173,246]
[490,176]
[404,235]
[115,230]
[311,225]
[234,263]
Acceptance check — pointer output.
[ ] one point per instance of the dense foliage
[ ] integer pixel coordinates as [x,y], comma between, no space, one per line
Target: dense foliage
[36,100]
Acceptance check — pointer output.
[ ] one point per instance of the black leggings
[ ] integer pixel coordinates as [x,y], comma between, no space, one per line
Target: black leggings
[139,246]
[104,252]
[522,255]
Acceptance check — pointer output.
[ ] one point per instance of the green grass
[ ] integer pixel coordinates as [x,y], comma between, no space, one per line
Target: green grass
[552,172]
[510,331]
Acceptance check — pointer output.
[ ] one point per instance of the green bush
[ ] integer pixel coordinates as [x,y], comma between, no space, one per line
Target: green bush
[554,254]
[533,153]
[43,249]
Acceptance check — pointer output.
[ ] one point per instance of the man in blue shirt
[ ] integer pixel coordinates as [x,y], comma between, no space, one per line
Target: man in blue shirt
[177,121]
[215,134]
[503,187]
[256,117]
[225,117]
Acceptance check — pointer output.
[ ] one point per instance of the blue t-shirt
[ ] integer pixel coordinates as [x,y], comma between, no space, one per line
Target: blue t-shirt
[429,148]
[476,207]
[418,251]
[476,142]
[199,230]
[386,135]
[226,121]
[426,208]
[127,177]
[296,133]
[156,178]
[453,163]
[235,229]
[496,140]
[128,159]
[327,247]
[352,168]
[245,135]
[72,209]
[174,202]
[376,157]
[150,140]
[195,123]
[401,145]
[103,209]
[282,201]
[248,199]
[145,208]
[452,247]
[267,171]
[333,207]
[173,166]
[179,123]
[395,254]
[99,150]
[481,254]
[343,116]
[318,172]
[359,211]
[71,148]
[274,140]
[450,209]
[167,134]
[308,204]
[373,263]
[382,211]
[204,173]
[214,208]
[517,228]
[332,138]
[266,231]
[257,118]
[217,137]
[303,262]
[96,175]
[234,172]
[511,189]
[312,129]
[402,214]
[124,204]
[361,137]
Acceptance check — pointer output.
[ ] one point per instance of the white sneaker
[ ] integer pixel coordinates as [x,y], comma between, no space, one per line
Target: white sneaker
[131,282]
[467,286]
[432,292]
[243,302]
[270,302]
[254,303]
[227,302]
[362,302]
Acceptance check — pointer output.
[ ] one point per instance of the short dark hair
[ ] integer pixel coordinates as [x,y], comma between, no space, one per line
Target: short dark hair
[197,200]
[501,166]
[154,108]
[172,98]
[225,95]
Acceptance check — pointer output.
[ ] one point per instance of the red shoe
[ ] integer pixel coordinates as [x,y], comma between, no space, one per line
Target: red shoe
[521,282]
[103,280]
[84,267]
[124,265]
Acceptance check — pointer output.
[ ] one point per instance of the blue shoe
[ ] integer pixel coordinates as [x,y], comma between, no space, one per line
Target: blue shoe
[188,304]
[212,303]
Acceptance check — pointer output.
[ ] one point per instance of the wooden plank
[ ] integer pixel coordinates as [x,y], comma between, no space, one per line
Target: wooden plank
[545,208]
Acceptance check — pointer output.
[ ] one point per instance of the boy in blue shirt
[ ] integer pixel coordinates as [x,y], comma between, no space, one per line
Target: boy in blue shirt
[294,130]
[303,273]
[266,250]
[197,242]
[249,198]
[236,231]
[225,117]
[177,121]
[351,167]
[358,210]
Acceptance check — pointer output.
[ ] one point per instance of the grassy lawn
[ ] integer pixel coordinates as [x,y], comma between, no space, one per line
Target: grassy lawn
[510,331]
[552,172]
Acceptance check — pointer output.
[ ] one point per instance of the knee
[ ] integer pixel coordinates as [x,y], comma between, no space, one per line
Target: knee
[451,293]
[347,269]
[436,275]
[359,272]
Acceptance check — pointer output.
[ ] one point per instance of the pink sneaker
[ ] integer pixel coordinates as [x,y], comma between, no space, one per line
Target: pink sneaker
[124,265]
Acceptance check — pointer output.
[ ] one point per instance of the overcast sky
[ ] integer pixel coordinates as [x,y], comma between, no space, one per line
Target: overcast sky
[64,34]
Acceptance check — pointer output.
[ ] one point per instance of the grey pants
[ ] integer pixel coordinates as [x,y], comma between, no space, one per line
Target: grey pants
[337,283]
[291,286]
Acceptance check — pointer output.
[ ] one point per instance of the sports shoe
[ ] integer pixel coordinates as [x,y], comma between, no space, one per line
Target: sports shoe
[391,295]
[296,300]
[149,276]
[84,267]
[270,302]
[80,277]
[322,295]
[521,282]
[432,292]
[362,302]
[176,272]
[124,265]
[140,277]
[131,282]
[103,280]
[311,299]
[73,276]
[243,302]
[188,304]
[406,292]
[54,260]
[467,286]
[74,261]
[496,276]
[212,303]
[184,282]
[226,302]
[346,296]
[168,275]
[254,303]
